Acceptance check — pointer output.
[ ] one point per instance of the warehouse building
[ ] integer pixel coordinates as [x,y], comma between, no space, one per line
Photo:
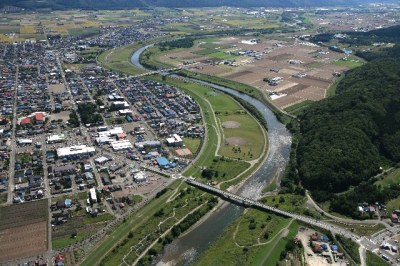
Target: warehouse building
[75,152]
[121,145]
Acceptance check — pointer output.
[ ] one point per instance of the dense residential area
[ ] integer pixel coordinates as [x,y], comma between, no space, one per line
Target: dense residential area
[199,134]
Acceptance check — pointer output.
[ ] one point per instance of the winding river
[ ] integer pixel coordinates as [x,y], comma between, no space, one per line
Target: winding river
[184,250]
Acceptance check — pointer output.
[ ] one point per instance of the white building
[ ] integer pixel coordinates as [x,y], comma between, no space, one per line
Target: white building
[121,145]
[93,196]
[24,141]
[174,141]
[55,139]
[111,132]
[125,112]
[75,151]
[139,176]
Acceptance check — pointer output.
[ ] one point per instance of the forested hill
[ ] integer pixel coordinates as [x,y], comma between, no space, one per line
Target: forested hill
[116,4]
[345,139]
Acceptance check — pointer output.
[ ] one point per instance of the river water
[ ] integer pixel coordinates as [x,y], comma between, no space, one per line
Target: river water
[186,249]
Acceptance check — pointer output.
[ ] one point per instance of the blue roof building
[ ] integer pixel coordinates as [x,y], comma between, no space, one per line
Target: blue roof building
[162,161]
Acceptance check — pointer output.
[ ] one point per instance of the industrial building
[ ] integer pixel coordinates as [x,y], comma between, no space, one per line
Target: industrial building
[74,152]
[121,145]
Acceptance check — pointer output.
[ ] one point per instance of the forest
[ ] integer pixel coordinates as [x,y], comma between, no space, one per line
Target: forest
[344,141]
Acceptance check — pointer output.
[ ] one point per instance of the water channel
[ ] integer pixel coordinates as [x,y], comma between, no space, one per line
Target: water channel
[184,250]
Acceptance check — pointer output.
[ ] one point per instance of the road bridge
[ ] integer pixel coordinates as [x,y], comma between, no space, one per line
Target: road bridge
[247,202]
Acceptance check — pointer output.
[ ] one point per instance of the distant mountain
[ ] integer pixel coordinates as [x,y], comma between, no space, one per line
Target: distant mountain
[116,4]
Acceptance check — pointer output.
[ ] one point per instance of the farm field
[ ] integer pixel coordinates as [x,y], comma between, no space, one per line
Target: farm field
[304,71]
[23,230]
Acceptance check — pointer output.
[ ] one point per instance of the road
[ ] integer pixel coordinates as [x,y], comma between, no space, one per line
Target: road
[365,243]
[13,145]
[344,220]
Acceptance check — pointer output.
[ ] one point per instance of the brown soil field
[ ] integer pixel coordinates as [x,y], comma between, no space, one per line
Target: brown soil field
[287,101]
[57,88]
[231,124]
[23,241]
[235,141]
[23,230]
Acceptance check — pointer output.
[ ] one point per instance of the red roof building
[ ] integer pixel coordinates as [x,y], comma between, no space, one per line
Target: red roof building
[39,117]
[26,121]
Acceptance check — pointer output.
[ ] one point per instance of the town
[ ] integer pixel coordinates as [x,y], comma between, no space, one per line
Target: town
[93,145]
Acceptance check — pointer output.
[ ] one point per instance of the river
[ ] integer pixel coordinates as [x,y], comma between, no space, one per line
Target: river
[185,250]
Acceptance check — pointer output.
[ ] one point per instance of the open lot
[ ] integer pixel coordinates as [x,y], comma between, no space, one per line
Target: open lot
[23,230]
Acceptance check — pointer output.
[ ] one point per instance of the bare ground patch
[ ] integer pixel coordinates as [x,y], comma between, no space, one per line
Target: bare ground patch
[230,124]
[235,141]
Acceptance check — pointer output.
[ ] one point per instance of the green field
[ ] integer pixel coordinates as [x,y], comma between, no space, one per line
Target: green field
[3,197]
[193,144]
[296,109]
[119,59]
[375,260]
[350,62]
[136,220]
[155,224]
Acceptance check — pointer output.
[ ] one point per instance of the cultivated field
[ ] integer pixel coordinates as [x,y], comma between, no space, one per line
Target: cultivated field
[23,230]
[306,70]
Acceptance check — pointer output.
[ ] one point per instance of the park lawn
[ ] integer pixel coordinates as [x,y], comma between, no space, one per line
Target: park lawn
[224,250]
[221,102]
[193,144]
[278,245]
[287,202]
[226,169]
[255,224]
[162,219]
[249,133]
[134,221]
[375,260]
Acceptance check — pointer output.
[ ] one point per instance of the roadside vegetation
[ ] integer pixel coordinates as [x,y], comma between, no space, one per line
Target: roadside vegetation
[375,260]
[350,247]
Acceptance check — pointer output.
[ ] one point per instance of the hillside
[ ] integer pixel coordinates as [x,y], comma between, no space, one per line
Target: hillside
[344,140]
[115,4]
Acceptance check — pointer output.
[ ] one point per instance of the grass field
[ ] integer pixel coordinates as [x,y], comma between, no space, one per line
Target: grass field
[277,246]
[296,109]
[375,260]
[331,91]
[350,62]
[164,217]
[119,59]
[133,221]
[193,144]
[236,245]
[3,197]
